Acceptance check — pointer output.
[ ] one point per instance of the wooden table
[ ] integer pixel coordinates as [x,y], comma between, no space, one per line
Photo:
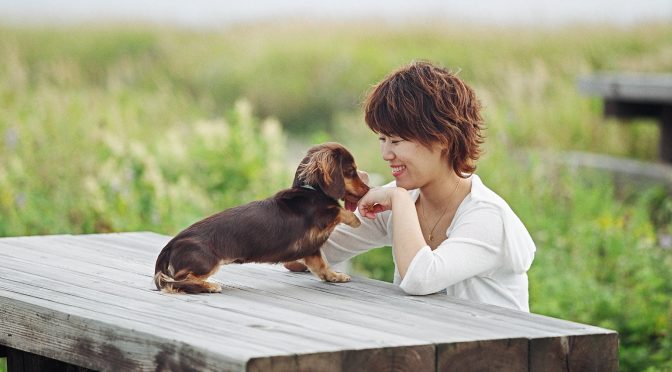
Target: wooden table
[89,301]
[636,95]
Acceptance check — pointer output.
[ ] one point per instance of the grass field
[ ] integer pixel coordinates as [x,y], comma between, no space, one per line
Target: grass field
[116,128]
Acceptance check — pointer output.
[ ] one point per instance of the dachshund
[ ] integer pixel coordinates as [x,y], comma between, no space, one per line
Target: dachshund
[289,226]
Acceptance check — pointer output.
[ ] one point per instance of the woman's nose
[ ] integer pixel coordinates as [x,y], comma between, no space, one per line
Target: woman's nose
[387,153]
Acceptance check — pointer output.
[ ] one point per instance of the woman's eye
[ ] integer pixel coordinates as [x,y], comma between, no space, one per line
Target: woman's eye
[391,140]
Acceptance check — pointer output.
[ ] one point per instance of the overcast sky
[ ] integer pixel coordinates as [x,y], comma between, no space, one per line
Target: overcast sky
[213,13]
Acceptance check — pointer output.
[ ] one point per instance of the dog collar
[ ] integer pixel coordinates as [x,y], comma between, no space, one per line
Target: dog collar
[309,187]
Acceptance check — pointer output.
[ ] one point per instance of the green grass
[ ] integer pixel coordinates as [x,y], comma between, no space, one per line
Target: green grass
[137,128]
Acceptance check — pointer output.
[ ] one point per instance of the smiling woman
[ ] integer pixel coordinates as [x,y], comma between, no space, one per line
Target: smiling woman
[448,231]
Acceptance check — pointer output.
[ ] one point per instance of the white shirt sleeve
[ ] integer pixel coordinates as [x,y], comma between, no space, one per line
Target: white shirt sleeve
[473,247]
[346,242]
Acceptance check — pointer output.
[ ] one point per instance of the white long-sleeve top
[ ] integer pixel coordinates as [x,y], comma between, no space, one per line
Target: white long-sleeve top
[485,257]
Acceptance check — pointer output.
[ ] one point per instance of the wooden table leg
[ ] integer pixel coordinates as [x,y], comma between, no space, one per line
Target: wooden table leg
[21,361]
[665,144]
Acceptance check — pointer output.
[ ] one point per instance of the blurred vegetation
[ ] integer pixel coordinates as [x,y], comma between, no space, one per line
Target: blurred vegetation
[132,128]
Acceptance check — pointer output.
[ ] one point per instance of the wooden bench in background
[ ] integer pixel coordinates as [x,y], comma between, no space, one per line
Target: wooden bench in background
[87,302]
[629,96]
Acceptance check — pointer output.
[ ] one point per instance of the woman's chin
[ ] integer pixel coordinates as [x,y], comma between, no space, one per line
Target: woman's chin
[405,184]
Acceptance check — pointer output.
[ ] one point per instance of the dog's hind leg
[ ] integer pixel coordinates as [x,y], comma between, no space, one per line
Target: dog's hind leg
[318,266]
[190,266]
[193,284]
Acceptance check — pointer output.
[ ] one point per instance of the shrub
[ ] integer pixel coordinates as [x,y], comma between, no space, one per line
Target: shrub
[97,181]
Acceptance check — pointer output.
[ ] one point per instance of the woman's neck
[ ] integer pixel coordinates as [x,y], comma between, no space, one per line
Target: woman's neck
[444,192]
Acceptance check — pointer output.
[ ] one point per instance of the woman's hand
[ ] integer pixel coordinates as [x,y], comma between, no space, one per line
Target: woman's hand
[378,199]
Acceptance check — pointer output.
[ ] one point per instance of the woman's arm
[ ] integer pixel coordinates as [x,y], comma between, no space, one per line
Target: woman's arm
[346,242]
[407,235]
[473,248]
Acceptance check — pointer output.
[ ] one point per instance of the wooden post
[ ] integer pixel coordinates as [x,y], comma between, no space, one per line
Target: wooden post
[21,361]
[665,136]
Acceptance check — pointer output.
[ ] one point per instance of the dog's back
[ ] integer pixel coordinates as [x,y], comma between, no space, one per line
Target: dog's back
[288,226]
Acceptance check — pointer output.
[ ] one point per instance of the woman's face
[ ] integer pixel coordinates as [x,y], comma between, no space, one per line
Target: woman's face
[412,164]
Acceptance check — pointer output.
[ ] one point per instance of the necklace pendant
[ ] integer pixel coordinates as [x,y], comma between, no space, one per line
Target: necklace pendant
[430,237]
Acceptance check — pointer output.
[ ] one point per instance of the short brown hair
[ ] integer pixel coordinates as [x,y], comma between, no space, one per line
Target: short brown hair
[426,103]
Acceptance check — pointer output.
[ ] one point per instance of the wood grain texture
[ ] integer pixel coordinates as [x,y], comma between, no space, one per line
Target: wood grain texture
[89,301]
[488,355]
[407,358]
[575,353]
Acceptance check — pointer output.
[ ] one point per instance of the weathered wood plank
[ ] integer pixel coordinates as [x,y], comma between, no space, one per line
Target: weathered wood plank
[129,309]
[575,353]
[62,289]
[384,301]
[402,314]
[256,330]
[491,355]
[633,87]
[388,289]
[408,358]
[97,344]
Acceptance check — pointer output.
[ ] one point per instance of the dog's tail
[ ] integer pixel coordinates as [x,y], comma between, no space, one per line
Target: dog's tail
[190,285]
[164,278]
[162,275]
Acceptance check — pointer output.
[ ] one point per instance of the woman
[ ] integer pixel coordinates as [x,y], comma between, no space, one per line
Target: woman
[448,231]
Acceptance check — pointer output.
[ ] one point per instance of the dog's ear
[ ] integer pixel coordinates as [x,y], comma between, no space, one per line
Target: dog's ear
[332,182]
[322,168]
[302,175]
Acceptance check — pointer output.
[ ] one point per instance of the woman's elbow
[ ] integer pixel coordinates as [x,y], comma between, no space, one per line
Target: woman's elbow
[417,289]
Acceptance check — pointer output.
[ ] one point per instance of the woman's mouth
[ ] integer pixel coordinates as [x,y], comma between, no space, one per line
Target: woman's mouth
[397,170]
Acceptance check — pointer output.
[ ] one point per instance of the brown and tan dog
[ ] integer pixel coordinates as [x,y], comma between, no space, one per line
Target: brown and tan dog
[291,225]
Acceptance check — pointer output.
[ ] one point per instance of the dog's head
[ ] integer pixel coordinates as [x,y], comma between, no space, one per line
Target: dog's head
[332,169]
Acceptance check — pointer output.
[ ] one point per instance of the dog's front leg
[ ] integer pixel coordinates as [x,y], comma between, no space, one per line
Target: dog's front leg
[348,218]
[318,266]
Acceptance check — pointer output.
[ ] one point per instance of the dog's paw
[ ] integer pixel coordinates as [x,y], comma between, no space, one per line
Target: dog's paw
[213,287]
[334,277]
